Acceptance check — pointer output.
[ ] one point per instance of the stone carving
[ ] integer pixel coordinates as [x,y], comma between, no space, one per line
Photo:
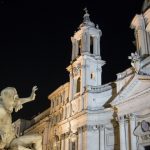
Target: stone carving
[140,63]
[145,126]
[142,129]
[135,61]
[76,70]
[9,100]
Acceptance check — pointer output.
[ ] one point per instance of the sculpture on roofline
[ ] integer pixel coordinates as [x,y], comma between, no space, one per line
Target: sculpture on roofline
[140,63]
[9,101]
[135,61]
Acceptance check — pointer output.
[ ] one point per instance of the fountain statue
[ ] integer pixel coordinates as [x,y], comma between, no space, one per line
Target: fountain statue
[9,101]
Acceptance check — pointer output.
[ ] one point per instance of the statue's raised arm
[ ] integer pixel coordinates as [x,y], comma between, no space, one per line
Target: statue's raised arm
[9,100]
[20,101]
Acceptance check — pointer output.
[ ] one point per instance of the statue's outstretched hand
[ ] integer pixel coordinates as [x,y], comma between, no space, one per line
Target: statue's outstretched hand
[33,92]
[34,88]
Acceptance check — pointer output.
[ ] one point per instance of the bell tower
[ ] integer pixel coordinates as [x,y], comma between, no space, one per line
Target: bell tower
[86,64]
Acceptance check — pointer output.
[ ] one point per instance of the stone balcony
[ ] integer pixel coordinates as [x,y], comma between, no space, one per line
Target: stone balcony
[99,89]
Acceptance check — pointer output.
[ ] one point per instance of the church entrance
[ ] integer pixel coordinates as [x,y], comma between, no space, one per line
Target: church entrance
[147,148]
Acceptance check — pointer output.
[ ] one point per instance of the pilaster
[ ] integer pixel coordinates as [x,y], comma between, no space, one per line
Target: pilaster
[102,136]
[132,128]
[122,133]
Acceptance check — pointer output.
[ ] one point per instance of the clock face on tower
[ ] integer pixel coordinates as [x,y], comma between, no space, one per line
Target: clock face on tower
[145,126]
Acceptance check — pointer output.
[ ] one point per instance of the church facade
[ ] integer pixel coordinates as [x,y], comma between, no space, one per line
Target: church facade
[86,115]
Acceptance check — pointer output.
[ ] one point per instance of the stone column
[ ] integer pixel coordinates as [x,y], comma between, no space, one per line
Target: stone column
[92,137]
[73,141]
[98,46]
[127,134]
[102,137]
[122,133]
[45,137]
[99,75]
[58,145]
[62,142]
[148,42]
[67,145]
[83,77]
[83,42]
[88,42]
[132,128]
[84,138]
[71,87]
[80,137]
[141,34]
[95,45]
[76,145]
[76,48]
[73,48]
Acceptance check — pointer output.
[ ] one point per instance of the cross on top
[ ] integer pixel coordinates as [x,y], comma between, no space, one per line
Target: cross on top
[85,9]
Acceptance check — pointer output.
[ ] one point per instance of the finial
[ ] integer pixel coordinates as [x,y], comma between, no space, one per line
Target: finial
[86,15]
[85,9]
[97,26]
[86,19]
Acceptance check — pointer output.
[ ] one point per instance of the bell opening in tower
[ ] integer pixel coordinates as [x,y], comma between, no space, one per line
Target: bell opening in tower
[147,148]
[91,45]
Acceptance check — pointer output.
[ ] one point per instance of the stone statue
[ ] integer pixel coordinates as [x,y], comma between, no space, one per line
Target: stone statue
[135,61]
[9,100]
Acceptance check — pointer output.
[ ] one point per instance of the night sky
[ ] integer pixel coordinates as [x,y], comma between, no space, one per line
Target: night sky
[35,43]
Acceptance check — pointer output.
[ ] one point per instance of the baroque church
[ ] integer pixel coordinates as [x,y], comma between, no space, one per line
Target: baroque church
[87,115]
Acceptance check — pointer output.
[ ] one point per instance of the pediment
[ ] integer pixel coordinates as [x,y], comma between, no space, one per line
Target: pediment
[137,85]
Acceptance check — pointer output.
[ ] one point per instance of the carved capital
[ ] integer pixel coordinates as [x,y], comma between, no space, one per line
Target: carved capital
[121,119]
[91,127]
[73,137]
[99,69]
[67,134]
[62,136]
[102,127]
[71,74]
[132,117]
[84,128]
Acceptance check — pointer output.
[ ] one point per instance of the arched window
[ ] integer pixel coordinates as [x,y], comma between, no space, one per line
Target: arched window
[78,85]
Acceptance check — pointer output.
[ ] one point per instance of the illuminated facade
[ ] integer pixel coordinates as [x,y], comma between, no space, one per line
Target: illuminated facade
[86,115]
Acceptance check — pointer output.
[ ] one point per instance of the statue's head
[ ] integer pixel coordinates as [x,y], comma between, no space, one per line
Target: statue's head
[8,96]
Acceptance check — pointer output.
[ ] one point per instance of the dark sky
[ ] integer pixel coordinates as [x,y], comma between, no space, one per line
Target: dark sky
[35,43]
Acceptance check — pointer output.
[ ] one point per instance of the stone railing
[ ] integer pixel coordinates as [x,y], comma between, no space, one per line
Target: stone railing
[99,89]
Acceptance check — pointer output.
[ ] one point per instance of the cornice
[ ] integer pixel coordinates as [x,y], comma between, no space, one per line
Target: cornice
[100,89]
[121,97]
[147,91]
[59,90]
[124,91]
[84,112]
